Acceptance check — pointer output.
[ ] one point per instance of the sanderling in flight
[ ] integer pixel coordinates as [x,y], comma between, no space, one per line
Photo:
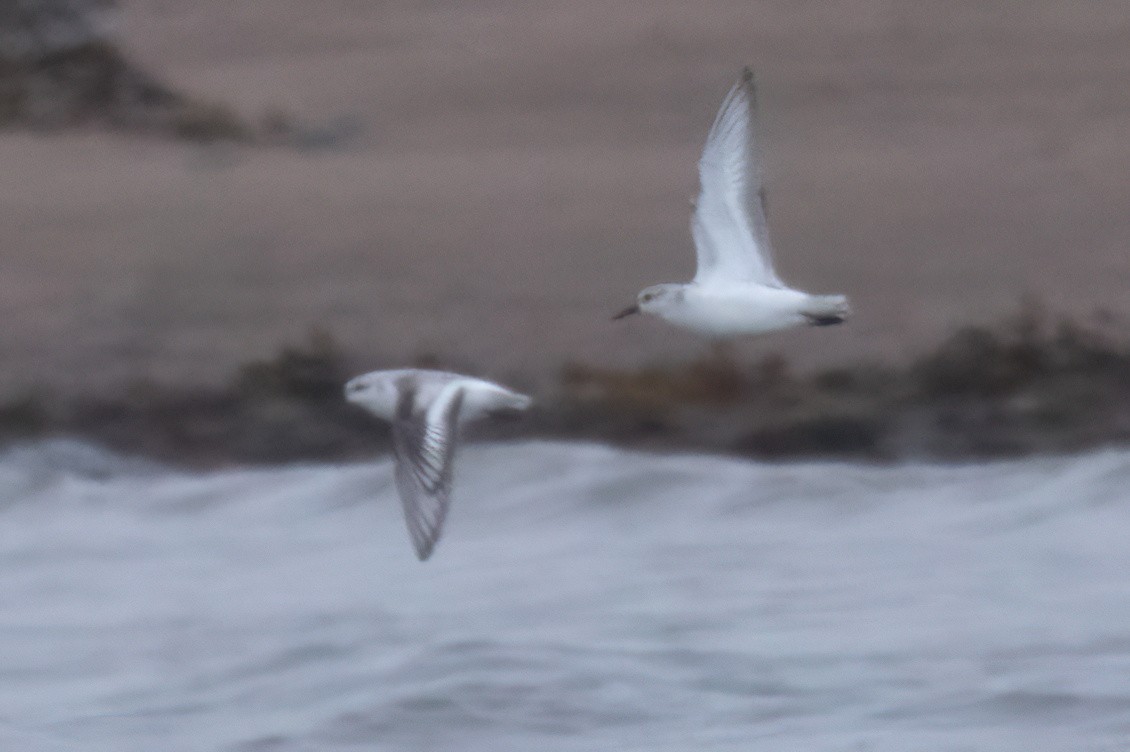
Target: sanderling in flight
[735,290]
[426,410]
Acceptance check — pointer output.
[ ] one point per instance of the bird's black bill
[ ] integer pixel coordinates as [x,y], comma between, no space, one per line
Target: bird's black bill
[627,312]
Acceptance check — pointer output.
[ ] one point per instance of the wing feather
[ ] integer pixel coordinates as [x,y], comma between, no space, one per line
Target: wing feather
[424,446]
[729,228]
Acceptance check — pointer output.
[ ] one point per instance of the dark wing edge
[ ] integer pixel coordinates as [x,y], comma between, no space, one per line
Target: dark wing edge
[425,457]
[758,201]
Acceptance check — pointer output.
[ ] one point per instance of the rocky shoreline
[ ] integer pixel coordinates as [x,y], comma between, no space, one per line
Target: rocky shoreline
[1029,385]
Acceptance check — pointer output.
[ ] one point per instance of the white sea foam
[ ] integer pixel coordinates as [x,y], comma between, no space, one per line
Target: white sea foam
[593,599]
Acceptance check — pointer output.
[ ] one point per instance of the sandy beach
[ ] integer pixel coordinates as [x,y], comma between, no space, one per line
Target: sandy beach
[490,183]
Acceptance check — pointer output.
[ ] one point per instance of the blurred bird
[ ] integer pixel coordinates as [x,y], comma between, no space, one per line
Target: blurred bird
[735,291]
[426,410]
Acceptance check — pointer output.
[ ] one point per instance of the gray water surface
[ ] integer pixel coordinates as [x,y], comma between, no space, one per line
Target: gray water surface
[583,598]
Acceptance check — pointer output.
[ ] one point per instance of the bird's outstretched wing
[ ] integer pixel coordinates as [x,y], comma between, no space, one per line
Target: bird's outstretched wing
[730,235]
[423,442]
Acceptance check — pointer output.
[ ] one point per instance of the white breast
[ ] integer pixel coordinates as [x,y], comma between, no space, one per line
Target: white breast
[737,310]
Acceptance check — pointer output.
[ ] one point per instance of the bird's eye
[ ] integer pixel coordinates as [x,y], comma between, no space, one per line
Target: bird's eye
[647,297]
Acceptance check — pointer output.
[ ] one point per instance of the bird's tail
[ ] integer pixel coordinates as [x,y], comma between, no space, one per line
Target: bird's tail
[510,403]
[520,401]
[826,310]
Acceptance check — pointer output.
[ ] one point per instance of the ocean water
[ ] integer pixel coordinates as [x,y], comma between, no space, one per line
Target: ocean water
[584,598]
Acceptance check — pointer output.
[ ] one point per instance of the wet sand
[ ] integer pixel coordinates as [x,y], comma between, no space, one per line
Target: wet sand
[491,183]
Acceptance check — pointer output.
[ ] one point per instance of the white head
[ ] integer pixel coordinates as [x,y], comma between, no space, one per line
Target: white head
[375,392]
[654,300]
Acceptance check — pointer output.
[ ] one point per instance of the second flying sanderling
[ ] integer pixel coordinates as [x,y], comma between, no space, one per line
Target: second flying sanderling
[426,410]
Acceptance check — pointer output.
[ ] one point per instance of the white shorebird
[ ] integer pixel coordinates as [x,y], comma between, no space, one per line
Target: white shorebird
[735,290]
[426,410]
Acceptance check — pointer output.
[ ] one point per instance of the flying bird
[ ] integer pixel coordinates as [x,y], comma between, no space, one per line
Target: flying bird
[426,410]
[736,290]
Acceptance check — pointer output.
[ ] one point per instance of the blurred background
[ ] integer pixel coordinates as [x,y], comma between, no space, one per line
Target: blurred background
[195,188]
[490,183]
[216,212]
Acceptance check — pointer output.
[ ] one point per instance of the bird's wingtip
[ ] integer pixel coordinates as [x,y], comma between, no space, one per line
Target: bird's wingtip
[750,83]
[749,78]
